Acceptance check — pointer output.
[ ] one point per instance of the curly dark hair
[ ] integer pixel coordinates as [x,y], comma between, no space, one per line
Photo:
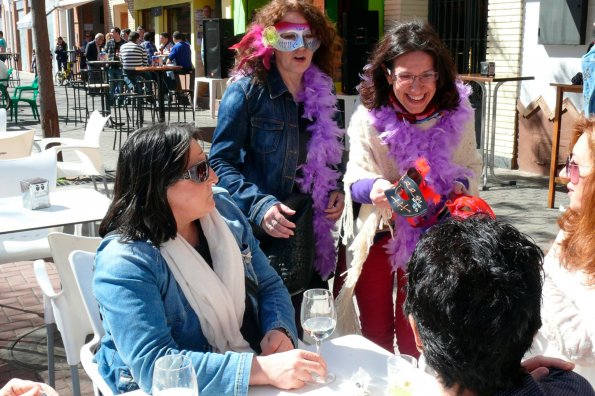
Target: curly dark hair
[399,40]
[474,290]
[326,57]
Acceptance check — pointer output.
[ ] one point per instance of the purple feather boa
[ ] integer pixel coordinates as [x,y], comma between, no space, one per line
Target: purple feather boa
[319,173]
[406,143]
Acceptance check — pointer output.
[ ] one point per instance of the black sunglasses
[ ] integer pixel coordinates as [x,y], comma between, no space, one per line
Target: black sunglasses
[198,172]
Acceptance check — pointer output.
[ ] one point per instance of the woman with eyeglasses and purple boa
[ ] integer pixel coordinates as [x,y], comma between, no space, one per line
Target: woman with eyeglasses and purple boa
[414,111]
[277,137]
[567,310]
[179,272]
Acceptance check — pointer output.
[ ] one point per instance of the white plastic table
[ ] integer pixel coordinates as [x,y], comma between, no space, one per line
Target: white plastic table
[217,87]
[68,206]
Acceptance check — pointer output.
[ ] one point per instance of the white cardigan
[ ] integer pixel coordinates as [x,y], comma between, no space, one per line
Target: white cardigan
[369,158]
[568,316]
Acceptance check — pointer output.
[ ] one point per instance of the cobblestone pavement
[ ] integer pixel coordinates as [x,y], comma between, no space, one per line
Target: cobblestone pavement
[22,331]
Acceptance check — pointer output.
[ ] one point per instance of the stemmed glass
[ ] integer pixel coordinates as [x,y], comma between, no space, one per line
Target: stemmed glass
[173,375]
[319,319]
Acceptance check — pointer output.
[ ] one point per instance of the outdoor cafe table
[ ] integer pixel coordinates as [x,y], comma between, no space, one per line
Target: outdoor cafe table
[159,70]
[103,65]
[68,206]
[488,118]
[344,356]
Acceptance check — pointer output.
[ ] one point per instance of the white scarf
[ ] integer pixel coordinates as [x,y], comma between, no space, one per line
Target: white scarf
[216,295]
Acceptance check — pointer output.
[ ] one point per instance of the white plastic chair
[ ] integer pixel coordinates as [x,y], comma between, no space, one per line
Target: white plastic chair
[82,268]
[67,307]
[81,157]
[16,144]
[26,245]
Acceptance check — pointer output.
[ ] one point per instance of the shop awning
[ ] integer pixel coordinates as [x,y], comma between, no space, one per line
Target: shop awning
[50,5]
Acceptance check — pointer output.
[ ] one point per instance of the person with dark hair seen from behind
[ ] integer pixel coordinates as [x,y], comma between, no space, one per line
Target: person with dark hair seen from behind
[133,55]
[180,54]
[277,148]
[179,260]
[415,118]
[473,301]
[61,53]
[148,46]
[568,310]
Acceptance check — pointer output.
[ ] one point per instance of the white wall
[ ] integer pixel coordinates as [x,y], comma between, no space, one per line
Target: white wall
[550,63]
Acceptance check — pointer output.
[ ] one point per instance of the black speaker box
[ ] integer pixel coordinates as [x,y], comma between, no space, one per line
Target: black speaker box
[360,34]
[218,37]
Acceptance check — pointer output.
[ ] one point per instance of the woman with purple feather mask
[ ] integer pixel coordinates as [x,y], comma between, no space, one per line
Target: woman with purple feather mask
[414,111]
[277,137]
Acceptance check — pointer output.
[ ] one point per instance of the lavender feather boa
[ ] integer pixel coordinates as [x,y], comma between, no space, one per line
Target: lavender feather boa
[406,143]
[319,173]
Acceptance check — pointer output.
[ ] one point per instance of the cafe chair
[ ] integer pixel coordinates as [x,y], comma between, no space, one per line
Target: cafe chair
[181,98]
[81,264]
[21,94]
[96,86]
[26,245]
[81,157]
[16,144]
[65,309]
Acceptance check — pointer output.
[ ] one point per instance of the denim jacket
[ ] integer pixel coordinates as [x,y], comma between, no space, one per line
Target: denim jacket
[146,315]
[255,145]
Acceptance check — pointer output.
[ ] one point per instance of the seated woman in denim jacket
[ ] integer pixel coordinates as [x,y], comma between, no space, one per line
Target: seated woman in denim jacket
[179,271]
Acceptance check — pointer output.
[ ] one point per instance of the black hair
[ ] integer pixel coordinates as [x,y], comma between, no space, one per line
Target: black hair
[150,160]
[147,36]
[403,38]
[117,29]
[133,36]
[178,35]
[126,31]
[474,291]
[165,34]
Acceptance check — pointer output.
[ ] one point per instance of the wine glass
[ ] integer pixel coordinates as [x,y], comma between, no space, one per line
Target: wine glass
[319,319]
[173,375]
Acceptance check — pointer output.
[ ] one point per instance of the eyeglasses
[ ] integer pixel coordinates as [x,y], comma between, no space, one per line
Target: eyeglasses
[198,172]
[424,78]
[572,170]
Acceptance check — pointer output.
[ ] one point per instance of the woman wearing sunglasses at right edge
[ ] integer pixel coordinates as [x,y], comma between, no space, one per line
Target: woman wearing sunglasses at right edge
[414,114]
[179,271]
[568,308]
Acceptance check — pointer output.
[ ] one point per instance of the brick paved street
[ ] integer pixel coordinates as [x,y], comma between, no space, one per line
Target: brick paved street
[22,331]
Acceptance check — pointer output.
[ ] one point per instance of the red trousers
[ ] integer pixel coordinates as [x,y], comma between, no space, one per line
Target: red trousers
[380,319]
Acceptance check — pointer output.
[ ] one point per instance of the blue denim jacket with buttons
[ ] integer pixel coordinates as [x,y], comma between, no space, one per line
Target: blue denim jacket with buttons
[256,142]
[146,315]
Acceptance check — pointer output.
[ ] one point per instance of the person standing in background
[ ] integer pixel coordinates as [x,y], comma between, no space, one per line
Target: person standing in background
[207,13]
[94,47]
[415,114]
[61,53]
